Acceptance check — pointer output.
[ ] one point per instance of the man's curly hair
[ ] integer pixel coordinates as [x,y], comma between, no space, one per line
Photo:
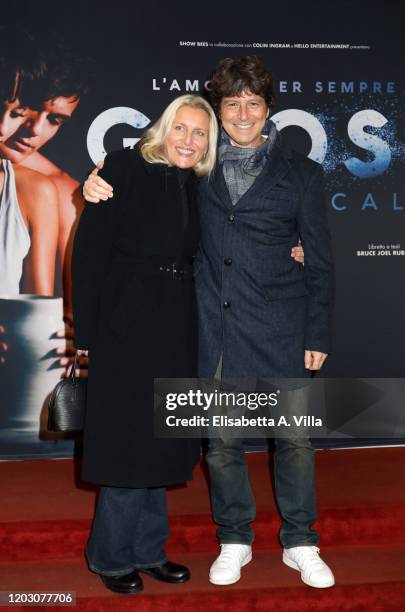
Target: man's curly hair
[242,74]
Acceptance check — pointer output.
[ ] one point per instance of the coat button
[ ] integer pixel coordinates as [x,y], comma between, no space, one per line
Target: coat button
[228,261]
[227,304]
[231,218]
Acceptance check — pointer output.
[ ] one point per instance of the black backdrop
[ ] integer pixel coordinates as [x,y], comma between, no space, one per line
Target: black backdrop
[141,63]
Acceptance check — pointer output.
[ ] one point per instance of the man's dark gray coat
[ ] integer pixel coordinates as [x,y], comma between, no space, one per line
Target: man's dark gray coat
[257,306]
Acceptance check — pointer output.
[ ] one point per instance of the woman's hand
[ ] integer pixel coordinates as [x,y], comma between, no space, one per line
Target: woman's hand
[95,188]
[297,253]
[82,363]
[66,351]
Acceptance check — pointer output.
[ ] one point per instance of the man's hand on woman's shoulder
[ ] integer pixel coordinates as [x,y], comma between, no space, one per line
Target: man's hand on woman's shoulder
[95,188]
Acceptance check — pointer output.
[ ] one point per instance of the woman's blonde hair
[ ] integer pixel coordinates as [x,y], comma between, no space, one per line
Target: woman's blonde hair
[152,144]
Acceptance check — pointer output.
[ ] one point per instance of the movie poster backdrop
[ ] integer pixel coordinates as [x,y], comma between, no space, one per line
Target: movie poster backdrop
[339,89]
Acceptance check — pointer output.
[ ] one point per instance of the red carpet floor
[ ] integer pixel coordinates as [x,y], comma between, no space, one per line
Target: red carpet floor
[46,511]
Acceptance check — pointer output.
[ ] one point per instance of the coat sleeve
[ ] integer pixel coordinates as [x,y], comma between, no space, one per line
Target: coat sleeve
[92,250]
[318,269]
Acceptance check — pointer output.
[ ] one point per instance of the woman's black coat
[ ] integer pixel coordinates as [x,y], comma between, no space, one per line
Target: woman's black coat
[137,322]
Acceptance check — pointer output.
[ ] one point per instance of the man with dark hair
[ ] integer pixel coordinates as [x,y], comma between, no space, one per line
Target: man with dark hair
[261,315]
[233,75]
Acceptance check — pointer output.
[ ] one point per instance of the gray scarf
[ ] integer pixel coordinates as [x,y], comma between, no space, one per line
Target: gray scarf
[242,165]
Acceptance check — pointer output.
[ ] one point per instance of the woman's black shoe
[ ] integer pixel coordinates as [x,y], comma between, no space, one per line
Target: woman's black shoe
[130,583]
[168,572]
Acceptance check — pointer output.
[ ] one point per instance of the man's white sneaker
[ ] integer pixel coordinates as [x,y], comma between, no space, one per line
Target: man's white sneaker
[226,567]
[306,560]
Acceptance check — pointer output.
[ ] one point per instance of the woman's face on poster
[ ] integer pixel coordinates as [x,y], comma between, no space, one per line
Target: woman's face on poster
[12,116]
[37,127]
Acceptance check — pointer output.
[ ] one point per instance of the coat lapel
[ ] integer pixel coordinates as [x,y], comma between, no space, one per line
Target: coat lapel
[219,185]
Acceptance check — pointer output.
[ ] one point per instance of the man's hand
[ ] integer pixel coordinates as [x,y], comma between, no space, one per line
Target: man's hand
[297,253]
[314,360]
[95,188]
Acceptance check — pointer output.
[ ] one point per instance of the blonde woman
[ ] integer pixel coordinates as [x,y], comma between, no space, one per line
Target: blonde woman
[133,291]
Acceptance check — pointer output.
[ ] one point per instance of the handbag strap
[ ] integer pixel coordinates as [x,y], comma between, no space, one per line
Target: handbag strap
[72,373]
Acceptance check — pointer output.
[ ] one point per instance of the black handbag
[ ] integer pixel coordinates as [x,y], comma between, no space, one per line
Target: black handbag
[67,403]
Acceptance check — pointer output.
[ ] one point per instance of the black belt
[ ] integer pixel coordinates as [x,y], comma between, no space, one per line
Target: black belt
[180,270]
